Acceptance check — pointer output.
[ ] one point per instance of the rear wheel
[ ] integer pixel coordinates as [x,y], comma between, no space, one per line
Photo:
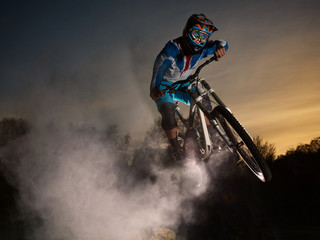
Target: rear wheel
[242,143]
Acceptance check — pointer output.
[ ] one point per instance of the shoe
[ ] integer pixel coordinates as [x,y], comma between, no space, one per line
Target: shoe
[177,150]
[178,155]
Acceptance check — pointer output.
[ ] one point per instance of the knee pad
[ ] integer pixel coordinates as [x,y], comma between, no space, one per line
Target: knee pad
[167,111]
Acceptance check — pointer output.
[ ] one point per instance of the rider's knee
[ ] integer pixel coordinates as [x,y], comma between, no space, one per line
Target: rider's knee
[167,111]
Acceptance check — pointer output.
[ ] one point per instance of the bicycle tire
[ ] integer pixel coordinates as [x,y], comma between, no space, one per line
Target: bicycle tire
[243,143]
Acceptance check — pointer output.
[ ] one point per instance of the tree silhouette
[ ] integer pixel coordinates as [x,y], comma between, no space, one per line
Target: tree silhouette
[267,150]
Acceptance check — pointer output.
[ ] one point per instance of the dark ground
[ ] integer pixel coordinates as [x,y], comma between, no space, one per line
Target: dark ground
[241,207]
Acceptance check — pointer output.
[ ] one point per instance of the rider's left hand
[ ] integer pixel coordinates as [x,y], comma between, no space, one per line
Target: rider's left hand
[155,94]
[219,52]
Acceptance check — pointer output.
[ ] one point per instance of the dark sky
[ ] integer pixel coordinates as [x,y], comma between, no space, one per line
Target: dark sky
[91,62]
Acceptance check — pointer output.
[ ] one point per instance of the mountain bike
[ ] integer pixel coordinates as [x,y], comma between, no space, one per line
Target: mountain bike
[196,140]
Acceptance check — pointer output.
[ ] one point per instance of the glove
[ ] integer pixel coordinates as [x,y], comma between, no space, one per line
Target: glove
[155,94]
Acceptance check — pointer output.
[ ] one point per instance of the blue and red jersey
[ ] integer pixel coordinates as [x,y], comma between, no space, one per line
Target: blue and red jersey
[172,65]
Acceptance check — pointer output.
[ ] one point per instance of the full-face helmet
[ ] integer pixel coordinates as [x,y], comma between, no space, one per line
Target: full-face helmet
[197,32]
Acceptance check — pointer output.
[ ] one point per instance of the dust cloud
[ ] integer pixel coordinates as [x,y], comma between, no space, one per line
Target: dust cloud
[71,187]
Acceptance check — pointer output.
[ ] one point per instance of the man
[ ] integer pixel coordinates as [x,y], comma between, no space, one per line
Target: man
[176,62]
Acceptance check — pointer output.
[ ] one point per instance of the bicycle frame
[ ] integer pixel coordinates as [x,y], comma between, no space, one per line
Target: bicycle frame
[197,94]
[198,99]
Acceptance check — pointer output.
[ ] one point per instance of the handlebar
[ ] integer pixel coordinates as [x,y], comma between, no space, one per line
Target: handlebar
[191,77]
[202,66]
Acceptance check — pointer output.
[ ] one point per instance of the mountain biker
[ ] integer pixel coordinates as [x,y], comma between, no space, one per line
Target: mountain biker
[176,62]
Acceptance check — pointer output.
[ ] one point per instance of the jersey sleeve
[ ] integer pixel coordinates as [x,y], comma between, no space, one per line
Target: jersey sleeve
[163,61]
[211,46]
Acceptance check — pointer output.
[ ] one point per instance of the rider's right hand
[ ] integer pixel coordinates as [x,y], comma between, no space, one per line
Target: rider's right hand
[155,94]
[219,52]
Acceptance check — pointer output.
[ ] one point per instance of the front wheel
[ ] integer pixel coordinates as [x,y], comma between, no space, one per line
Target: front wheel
[242,143]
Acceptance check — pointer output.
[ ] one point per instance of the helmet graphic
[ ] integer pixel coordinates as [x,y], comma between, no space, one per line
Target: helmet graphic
[197,32]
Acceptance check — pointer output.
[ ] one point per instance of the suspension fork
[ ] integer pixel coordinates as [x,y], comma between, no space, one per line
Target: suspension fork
[222,133]
[193,133]
[207,140]
[198,101]
[206,145]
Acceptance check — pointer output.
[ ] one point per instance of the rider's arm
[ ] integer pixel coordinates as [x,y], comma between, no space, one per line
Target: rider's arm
[218,47]
[162,63]
[160,67]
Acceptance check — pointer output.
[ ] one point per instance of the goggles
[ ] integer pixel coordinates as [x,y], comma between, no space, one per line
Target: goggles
[199,37]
